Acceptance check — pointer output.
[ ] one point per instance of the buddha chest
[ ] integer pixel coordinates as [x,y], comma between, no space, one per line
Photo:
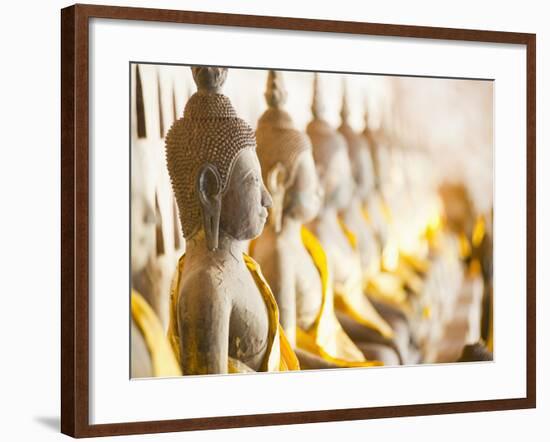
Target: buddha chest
[343,259]
[249,322]
[309,290]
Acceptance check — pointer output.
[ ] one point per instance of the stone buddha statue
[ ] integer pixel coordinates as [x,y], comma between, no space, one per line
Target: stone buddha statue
[292,259]
[385,289]
[389,204]
[151,354]
[357,217]
[375,205]
[454,284]
[428,277]
[359,317]
[223,316]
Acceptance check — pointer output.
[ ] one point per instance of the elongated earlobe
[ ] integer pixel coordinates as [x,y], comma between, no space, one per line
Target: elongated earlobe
[209,189]
[276,179]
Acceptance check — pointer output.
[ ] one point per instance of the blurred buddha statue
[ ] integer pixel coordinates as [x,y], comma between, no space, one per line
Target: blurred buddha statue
[385,289]
[153,281]
[356,313]
[405,250]
[390,204]
[151,353]
[355,216]
[461,308]
[376,204]
[223,316]
[292,259]
[395,212]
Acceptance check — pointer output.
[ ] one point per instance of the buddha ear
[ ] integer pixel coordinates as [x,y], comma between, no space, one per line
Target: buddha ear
[209,189]
[276,179]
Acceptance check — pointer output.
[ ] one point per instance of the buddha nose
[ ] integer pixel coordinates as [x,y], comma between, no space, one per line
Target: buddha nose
[267,201]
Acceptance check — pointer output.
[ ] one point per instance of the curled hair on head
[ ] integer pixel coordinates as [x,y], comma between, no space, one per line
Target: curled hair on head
[210,132]
[325,139]
[279,144]
[356,143]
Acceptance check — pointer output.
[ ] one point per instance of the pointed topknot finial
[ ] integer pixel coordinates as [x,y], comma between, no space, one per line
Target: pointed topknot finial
[344,112]
[275,93]
[317,107]
[209,79]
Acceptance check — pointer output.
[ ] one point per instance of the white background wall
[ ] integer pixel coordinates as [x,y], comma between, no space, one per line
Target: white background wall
[29,225]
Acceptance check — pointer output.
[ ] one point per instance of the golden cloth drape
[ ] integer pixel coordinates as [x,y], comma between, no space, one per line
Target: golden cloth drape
[350,298]
[163,360]
[326,338]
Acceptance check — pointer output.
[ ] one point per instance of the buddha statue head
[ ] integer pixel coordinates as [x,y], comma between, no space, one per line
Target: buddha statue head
[359,153]
[286,158]
[458,210]
[213,166]
[330,153]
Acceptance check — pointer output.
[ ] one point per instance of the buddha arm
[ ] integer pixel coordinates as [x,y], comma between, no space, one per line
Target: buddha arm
[204,327]
[279,272]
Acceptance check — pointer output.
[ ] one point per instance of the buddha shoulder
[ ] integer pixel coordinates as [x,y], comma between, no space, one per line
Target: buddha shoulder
[203,290]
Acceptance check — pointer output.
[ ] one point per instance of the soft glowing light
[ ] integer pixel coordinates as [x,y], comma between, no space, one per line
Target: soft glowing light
[390,256]
[434,222]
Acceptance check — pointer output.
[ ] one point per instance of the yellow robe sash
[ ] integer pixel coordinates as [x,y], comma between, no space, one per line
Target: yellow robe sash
[326,338]
[163,360]
[383,286]
[350,298]
[279,355]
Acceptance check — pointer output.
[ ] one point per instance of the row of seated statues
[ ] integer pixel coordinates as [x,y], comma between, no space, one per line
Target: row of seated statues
[287,251]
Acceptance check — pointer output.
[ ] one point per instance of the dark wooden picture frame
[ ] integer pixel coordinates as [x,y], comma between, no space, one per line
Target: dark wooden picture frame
[75,219]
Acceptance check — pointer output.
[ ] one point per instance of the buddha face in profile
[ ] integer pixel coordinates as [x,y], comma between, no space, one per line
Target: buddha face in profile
[286,159]
[213,166]
[330,152]
[246,200]
[336,178]
[359,154]
[363,173]
[304,197]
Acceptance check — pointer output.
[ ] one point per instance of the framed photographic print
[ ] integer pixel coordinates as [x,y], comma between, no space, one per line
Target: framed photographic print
[272,220]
